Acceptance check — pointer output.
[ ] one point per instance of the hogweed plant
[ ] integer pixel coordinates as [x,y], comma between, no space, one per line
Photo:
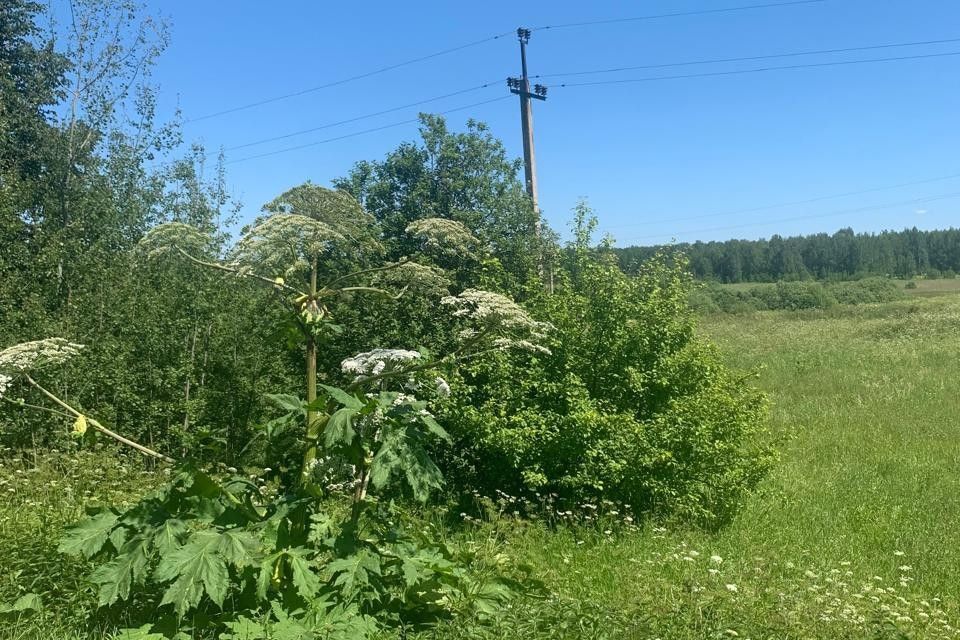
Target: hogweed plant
[19,361]
[325,549]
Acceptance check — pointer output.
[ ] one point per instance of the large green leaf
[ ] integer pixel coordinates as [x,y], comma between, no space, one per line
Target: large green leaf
[116,577]
[434,427]
[305,580]
[290,404]
[89,536]
[354,572]
[196,568]
[339,428]
[169,535]
[401,452]
[238,547]
[344,398]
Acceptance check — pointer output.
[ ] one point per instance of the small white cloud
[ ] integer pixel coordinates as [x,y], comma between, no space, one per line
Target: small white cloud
[920,212]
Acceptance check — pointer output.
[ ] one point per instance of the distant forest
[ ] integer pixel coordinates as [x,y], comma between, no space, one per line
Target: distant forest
[844,255]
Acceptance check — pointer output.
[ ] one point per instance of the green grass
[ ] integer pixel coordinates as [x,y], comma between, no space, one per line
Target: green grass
[866,401]
[868,398]
[926,288]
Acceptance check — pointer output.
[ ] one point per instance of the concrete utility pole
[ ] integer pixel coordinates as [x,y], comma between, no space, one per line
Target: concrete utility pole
[521,87]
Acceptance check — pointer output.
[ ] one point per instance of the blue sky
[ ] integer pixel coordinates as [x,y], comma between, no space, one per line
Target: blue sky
[696,158]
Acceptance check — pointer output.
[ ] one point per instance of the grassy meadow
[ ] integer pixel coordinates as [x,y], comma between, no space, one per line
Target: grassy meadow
[853,535]
[866,492]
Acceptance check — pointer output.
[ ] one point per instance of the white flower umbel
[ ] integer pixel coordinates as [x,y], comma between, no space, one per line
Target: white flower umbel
[29,356]
[377,361]
[441,234]
[287,241]
[499,317]
[443,388]
[4,384]
[172,236]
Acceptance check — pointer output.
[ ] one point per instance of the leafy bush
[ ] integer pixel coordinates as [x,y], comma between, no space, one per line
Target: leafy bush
[866,291]
[629,405]
[792,296]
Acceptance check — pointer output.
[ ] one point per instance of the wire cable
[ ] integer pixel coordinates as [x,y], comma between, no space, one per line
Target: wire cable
[676,14]
[748,58]
[358,133]
[360,76]
[762,69]
[363,117]
[891,205]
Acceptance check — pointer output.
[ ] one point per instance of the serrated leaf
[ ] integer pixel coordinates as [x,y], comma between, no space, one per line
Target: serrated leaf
[339,428]
[237,547]
[268,569]
[354,572]
[305,580]
[89,536]
[289,403]
[346,399]
[169,535]
[434,427]
[116,577]
[196,568]
[402,452]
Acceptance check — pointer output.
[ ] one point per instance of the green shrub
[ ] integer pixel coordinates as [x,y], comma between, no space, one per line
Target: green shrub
[911,284]
[866,291]
[629,406]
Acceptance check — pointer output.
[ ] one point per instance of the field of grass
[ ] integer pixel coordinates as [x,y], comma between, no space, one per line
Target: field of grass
[854,535]
[867,491]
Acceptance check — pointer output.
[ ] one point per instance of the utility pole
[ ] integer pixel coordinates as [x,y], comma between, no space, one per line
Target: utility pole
[521,87]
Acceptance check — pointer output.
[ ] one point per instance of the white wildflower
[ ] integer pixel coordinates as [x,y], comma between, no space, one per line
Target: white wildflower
[731,587]
[277,238]
[443,387]
[377,361]
[446,236]
[4,384]
[37,354]
[716,559]
[508,323]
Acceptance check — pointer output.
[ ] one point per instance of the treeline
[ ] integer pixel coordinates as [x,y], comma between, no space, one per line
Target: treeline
[845,255]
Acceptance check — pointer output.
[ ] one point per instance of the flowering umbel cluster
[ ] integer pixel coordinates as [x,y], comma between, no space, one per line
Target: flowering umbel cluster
[287,241]
[30,356]
[170,236]
[443,235]
[495,315]
[377,361]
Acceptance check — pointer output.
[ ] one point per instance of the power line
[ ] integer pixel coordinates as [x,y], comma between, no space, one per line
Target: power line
[474,43]
[360,76]
[357,133]
[676,14]
[748,58]
[787,204]
[363,117]
[891,205]
[762,69]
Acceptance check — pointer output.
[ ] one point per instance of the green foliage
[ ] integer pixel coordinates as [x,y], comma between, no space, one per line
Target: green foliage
[792,296]
[628,405]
